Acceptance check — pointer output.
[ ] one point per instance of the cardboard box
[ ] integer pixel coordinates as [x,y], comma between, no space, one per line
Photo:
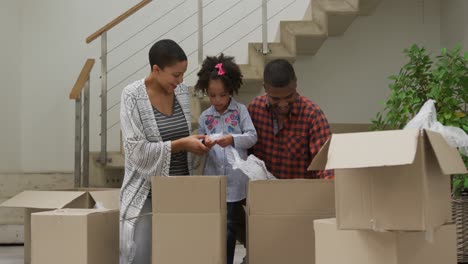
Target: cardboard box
[38,201]
[189,220]
[280,215]
[369,247]
[391,180]
[75,236]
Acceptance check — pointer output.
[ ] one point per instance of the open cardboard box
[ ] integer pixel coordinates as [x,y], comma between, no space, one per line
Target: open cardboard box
[391,180]
[75,236]
[280,215]
[38,201]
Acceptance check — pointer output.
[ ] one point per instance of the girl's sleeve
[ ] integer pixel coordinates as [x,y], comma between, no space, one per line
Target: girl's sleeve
[147,158]
[248,138]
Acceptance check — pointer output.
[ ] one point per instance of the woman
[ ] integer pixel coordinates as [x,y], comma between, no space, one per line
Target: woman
[155,120]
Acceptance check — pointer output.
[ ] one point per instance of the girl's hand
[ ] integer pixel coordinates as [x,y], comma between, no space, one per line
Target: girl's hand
[208,142]
[225,141]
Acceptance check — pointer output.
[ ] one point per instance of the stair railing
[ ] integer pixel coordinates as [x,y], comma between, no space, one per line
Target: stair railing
[80,93]
[102,32]
[265,49]
[202,43]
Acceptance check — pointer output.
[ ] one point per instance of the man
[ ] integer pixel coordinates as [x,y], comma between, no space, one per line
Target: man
[291,128]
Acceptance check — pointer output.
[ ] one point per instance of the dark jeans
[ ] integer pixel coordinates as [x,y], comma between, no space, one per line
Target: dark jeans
[235,227]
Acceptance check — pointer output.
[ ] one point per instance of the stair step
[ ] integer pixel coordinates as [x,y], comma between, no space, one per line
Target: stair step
[252,83]
[337,6]
[110,175]
[302,37]
[277,51]
[334,16]
[366,6]
[309,28]
[249,72]
[116,159]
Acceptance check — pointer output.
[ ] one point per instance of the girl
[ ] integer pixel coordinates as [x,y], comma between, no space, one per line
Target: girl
[220,77]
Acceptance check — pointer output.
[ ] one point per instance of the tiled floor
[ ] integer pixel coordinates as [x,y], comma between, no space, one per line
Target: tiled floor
[14,254]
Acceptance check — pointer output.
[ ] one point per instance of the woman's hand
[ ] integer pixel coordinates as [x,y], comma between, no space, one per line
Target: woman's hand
[225,141]
[191,144]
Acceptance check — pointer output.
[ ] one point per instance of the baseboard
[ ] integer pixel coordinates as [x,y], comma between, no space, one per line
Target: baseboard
[11,234]
[14,183]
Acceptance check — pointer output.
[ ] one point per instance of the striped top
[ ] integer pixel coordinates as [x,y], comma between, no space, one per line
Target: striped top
[172,128]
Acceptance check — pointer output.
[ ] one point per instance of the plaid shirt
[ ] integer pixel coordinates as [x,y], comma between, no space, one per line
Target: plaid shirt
[288,153]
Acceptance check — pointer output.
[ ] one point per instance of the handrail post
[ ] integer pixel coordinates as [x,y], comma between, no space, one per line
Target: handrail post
[265,49]
[77,172]
[200,32]
[103,154]
[86,104]
[81,90]
[200,38]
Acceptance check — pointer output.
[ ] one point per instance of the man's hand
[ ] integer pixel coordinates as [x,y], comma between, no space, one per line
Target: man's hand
[225,141]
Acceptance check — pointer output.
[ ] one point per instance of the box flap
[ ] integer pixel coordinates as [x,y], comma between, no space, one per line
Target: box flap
[320,160]
[291,197]
[110,198]
[42,199]
[85,189]
[188,194]
[372,149]
[72,212]
[448,157]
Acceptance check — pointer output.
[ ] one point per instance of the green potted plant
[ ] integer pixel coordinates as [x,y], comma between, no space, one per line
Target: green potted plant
[445,80]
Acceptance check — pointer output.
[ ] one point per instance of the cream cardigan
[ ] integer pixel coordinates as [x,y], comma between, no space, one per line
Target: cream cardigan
[146,155]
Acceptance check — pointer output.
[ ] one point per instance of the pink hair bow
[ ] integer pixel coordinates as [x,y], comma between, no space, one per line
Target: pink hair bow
[221,71]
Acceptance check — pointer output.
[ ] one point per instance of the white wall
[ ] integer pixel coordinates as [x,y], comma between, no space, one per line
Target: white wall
[348,76]
[10,87]
[45,50]
[454,23]
[52,54]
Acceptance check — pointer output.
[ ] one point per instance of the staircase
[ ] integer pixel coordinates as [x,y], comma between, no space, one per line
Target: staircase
[324,19]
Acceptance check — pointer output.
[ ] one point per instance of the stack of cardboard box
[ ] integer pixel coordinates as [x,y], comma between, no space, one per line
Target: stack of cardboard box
[391,198]
[84,234]
[392,193]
